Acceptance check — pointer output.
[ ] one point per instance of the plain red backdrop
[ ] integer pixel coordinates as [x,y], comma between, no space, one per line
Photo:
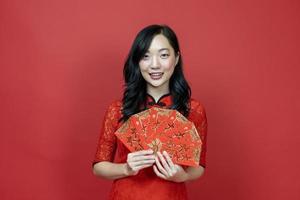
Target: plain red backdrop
[61,65]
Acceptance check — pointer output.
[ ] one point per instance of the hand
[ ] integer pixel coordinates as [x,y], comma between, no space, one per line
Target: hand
[166,169]
[139,160]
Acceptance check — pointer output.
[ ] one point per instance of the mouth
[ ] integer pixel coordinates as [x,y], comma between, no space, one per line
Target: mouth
[156,75]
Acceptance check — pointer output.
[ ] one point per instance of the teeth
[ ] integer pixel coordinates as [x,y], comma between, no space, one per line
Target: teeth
[155,74]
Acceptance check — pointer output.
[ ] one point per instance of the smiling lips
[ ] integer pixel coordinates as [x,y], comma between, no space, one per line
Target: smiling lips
[156,75]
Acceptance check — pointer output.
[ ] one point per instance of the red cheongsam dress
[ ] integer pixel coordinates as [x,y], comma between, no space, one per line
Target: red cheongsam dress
[144,185]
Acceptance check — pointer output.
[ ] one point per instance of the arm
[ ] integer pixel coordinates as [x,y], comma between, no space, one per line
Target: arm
[194,173]
[103,165]
[109,170]
[135,161]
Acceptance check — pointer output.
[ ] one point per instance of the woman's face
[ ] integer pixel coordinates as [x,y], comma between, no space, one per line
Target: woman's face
[158,63]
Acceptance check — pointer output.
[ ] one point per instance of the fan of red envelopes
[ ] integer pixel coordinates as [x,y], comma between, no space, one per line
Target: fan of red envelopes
[162,129]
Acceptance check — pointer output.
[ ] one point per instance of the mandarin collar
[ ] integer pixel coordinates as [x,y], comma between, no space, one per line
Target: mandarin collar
[164,101]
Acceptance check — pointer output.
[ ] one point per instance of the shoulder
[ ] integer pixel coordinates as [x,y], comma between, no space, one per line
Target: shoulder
[197,110]
[114,109]
[113,113]
[196,106]
[115,105]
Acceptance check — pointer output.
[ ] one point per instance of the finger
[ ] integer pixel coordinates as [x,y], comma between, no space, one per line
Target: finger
[169,161]
[158,173]
[142,152]
[140,158]
[131,156]
[142,167]
[160,167]
[143,162]
[165,164]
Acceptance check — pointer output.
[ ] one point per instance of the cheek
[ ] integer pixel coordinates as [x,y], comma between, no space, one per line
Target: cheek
[143,70]
[169,65]
[143,66]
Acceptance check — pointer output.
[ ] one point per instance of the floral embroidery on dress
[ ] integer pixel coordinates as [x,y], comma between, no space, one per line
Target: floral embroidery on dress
[107,143]
[145,183]
[107,140]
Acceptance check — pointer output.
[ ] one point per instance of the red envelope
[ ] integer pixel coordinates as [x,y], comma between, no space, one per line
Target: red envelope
[162,129]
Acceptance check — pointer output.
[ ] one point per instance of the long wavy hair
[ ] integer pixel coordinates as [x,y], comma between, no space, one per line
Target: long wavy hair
[135,90]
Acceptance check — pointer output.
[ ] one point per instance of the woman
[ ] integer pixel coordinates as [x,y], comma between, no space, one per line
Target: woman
[153,77]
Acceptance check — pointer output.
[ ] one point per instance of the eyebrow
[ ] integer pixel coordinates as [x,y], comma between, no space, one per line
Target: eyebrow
[162,49]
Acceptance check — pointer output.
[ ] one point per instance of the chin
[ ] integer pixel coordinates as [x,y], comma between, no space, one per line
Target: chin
[156,84]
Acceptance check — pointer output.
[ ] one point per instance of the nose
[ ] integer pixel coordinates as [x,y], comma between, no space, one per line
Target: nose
[155,62]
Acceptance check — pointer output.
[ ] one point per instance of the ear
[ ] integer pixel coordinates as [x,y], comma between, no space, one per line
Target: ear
[177,58]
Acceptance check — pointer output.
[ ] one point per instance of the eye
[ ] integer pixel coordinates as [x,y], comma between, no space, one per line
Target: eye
[146,57]
[164,55]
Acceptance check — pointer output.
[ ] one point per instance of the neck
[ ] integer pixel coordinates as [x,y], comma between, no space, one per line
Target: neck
[157,92]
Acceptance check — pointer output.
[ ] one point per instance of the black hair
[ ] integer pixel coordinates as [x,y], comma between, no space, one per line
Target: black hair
[135,90]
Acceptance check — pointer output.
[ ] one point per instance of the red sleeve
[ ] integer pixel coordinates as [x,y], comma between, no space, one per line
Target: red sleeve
[107,139]
[198,116]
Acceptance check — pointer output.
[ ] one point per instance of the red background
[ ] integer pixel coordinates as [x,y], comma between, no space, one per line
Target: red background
[61,65]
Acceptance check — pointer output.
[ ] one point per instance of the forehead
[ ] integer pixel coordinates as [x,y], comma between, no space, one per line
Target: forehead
[159,42]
